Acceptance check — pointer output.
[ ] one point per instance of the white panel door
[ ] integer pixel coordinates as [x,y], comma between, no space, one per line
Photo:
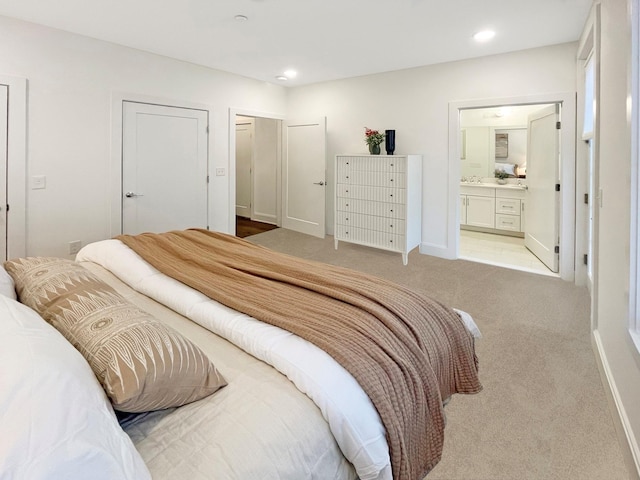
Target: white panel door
[4,131]
[543,172]
[304,177]
[164,168]
[244,152]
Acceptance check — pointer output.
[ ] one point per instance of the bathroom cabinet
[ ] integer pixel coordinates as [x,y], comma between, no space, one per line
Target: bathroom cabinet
[378,201]
[496,209]
[478,207]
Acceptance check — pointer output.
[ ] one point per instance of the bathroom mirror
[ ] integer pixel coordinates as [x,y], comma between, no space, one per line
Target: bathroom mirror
[495,139]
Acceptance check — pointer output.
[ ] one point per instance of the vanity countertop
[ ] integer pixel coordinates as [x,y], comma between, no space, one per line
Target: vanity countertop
[509,186]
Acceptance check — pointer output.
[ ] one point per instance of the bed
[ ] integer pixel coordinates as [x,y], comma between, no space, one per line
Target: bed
[275,404]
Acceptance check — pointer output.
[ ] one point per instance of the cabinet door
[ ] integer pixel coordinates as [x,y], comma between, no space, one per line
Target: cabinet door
[481,211]
[463,209]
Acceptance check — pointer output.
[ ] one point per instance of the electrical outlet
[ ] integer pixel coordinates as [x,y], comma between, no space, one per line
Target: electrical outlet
[220,172]
[74,247]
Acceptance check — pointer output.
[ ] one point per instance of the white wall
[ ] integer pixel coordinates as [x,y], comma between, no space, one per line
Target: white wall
[621,359]
[415,102]
[71,80]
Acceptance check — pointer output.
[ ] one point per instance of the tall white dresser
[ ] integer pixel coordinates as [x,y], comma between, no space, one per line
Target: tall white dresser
[379,201]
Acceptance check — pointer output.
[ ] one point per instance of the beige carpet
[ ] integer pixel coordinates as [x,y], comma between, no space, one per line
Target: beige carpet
[543,414]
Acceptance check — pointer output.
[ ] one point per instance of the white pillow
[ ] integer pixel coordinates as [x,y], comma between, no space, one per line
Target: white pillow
[7,287]
[56,420]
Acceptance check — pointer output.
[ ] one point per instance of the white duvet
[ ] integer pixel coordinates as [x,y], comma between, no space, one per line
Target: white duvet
[351,416]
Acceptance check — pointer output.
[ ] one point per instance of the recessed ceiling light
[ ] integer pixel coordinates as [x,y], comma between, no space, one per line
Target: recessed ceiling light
[282,78]
[484,35]
[290,73]
[241,18]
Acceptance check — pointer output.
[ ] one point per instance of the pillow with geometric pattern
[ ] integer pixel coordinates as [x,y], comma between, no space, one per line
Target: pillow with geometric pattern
[141,363]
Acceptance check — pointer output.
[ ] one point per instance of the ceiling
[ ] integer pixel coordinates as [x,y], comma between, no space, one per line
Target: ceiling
[320,39]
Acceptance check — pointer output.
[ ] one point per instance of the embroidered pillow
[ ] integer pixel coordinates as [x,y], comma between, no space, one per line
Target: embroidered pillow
[141,363]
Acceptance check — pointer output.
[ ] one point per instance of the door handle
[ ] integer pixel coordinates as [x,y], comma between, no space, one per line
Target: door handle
[319,183]
[131,195]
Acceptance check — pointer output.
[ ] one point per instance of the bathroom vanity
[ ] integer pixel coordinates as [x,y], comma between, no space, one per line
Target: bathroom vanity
[493,208]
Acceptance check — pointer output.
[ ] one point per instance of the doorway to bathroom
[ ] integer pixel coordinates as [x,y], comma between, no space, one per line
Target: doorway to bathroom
[510,204]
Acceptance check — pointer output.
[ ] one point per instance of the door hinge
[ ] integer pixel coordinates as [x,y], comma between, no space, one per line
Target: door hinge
[207,129]
[557,187]
[558,125]
[7,207]
[556,249]
[207,178]
[586,198]
[585,259]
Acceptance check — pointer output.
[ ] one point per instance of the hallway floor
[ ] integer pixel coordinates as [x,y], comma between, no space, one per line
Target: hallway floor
[500,250]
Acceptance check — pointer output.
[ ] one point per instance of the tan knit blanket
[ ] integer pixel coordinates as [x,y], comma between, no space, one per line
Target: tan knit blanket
[409,353]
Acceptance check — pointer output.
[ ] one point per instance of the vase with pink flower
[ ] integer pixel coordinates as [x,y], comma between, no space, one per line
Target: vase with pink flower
[373,138]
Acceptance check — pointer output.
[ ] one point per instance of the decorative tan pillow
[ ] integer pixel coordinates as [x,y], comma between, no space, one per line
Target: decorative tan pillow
[141,363]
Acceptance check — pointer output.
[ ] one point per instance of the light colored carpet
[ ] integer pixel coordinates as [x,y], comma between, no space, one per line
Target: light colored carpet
[543,413]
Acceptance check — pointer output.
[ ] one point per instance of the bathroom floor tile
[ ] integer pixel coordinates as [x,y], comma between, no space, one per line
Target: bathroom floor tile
[500,250]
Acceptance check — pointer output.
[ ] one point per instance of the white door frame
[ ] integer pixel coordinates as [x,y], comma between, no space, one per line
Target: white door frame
[567,171]
[231,167]
[117,98]
[16,166]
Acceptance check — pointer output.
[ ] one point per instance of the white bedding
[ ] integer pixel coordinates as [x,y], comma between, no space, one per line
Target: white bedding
[353,420]
[56,422]
[257,427]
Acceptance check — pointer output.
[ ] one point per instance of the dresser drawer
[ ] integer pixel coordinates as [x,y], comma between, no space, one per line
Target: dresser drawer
[370,222]
[508,222]
[379,209]
[373,238]
[508,206]
[387,164]
[379,179]
[375,194]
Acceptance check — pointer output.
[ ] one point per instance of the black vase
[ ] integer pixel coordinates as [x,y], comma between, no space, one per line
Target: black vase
[390,141]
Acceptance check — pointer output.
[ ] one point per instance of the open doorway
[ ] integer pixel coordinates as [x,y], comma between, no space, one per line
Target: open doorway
[508,176]
[485,208]
[257,148]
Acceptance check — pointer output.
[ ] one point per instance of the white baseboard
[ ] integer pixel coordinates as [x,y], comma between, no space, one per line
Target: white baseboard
[628,442]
